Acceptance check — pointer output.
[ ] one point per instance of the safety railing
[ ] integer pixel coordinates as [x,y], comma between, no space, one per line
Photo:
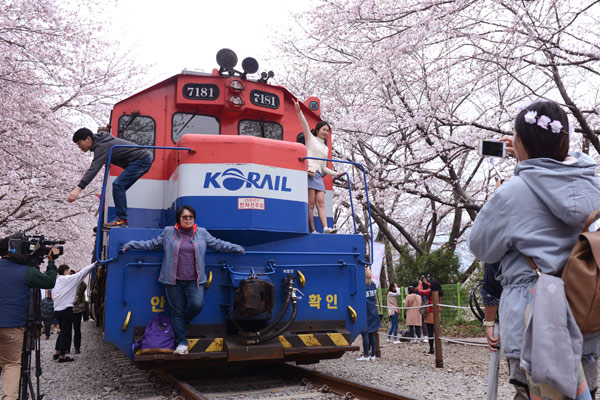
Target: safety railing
[362,168]
[103,193]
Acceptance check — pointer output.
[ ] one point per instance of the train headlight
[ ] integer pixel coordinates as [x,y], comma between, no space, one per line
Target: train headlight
[236,101]
[236,85]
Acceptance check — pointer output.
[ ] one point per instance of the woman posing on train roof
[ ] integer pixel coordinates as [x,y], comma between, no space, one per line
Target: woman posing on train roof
[182,271]
[316,147]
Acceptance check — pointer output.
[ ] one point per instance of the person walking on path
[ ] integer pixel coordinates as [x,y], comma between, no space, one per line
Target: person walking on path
[134,161]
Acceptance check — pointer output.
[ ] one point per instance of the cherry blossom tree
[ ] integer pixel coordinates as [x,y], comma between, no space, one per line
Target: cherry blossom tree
[57,71]
[412,86]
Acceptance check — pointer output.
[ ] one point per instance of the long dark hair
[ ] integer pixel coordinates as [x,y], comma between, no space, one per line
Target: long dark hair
[391,289]
[540,142]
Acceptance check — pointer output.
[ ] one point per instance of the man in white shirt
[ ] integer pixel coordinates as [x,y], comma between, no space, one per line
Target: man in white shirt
[64,293]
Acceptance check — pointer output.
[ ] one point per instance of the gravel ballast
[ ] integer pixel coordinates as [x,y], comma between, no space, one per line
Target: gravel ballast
[102,372]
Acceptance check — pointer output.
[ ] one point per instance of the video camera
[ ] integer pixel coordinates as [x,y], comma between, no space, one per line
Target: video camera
[31,249]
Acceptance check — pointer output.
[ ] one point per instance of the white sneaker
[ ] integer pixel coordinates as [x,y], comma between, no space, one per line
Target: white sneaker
[329,230]
[181,349]
[372,358]
[362,358]
[397,342]
[388,340]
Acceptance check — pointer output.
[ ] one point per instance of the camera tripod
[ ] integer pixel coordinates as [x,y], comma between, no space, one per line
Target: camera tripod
[31,344]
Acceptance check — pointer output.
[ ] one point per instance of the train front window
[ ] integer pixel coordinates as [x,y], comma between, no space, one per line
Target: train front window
[138,129]
[195,124]
[265,129]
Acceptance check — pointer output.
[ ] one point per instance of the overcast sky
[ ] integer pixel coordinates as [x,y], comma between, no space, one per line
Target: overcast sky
[188,33]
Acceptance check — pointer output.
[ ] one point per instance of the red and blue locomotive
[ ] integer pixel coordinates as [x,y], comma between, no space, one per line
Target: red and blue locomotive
[226,145]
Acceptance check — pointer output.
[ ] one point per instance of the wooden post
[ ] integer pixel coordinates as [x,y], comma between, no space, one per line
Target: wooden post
[439,361]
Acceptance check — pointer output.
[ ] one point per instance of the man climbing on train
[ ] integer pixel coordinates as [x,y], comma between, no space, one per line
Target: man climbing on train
[135,162]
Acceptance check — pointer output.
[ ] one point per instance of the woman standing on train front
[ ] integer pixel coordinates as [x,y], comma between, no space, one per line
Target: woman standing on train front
[316,147]
[182,272]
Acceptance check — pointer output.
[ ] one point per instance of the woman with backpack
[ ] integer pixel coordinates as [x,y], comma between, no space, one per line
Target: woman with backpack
[539,213]
[182,271]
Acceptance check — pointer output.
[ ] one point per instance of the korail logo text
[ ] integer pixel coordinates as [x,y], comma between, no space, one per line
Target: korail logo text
[234,179]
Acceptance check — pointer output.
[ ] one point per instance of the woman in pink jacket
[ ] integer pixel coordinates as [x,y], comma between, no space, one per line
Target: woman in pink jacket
[413,315]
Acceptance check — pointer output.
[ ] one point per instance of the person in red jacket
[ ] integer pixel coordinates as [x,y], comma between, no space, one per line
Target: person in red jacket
[427,288]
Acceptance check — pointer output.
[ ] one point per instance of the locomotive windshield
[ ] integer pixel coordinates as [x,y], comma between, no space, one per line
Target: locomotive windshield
[139,129]
[193,123]
[264,129]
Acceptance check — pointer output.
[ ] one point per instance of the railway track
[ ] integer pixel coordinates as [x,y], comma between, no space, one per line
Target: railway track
[281,382]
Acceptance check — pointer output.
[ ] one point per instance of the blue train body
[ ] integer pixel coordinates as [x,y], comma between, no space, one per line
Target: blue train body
[293,295]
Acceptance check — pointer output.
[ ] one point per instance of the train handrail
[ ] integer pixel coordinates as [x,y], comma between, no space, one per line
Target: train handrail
[230,268]
[350,190]
[103,193]
[125,274]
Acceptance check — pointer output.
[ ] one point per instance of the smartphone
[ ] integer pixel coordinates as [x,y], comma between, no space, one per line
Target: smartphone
[492,148]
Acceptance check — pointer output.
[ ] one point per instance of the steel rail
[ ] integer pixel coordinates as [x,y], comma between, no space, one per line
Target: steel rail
[342,386]
[346,389]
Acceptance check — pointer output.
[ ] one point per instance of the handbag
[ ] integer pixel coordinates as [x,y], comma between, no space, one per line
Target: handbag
[581,276]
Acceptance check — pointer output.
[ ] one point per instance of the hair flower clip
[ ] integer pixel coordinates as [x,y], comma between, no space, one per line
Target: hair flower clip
[530,117]
[543,122]
[555,126]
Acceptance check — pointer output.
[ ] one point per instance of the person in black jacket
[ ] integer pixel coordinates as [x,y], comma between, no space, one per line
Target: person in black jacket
[48,313]
[135,162]
[16,281]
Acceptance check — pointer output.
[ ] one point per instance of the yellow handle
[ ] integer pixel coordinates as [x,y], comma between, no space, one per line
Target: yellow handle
[209,280]
[353,314]
[301,278]
[126,324]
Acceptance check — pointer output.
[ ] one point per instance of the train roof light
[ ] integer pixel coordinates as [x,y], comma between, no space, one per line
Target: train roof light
[227,59]
[265,76]
[250,66]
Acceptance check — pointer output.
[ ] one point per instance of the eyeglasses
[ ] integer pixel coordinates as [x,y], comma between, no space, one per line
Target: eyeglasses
[187,217]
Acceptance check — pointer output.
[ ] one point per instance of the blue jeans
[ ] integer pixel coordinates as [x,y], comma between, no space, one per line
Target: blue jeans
[369,343]
[412,329]
[128,177]
[393,326]
[185,300]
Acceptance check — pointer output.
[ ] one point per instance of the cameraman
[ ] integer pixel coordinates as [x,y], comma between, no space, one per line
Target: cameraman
[16,281]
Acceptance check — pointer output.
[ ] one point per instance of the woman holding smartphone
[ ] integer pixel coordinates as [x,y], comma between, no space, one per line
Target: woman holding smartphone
[539,213]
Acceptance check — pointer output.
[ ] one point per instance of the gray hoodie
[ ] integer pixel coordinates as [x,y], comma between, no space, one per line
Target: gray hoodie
[539,212]
[121,156]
